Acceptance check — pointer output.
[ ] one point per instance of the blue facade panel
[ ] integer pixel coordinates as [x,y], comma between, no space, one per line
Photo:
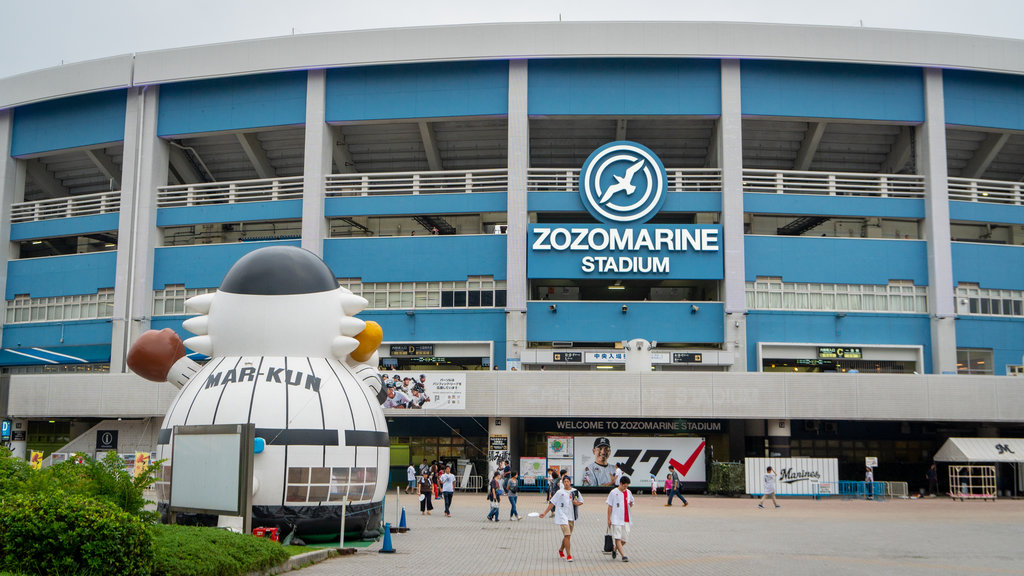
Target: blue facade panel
[836,260]
[983,99]
[1004,336]
[417,91]
[989,265]
[201,266]
[986,212]
[674,202]
[241,212]
[417,204]
[832,205]
[232,103]
[634,86]
[69,122]
[820,90]
[49,334]
[606,322]
[417,259]
[826,329]
[64,227]
[61,275]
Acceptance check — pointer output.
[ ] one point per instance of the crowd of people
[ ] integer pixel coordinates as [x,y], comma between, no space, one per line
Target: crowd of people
[404,392]
[431,482]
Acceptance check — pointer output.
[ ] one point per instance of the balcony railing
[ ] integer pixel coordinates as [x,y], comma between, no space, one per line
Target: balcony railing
[679,180]
[237,191]
[68,207]
[833,183]
[994,191]
[432,182]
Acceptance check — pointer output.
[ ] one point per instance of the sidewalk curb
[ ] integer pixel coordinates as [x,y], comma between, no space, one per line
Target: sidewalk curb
[304,559]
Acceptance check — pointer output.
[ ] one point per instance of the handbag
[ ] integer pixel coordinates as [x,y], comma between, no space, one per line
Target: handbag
[494,505]
[609,545]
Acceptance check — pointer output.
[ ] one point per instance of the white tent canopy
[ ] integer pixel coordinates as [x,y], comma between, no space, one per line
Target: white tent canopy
[981,450]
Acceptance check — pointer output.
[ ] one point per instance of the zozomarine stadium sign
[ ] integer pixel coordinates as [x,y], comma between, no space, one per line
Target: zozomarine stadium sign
[623,185]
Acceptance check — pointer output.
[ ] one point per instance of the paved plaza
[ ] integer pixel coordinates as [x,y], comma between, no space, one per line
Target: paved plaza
[710,536]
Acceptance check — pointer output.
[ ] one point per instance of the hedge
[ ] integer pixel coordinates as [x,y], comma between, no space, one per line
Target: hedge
[198,551]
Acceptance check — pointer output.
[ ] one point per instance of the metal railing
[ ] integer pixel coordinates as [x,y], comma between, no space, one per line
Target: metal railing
[833,183]
[236,191]
[430,182]
[679,179]
[68,207]
[994,191]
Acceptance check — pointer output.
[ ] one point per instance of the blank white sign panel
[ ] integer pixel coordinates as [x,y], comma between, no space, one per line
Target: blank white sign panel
[204,472]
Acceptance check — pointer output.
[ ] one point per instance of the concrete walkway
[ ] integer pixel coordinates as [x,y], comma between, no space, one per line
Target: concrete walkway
[711,536]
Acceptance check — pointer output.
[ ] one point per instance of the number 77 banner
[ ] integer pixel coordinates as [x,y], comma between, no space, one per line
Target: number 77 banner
[595,458]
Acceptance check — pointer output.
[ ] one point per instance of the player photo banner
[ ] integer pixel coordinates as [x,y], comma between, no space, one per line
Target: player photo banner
[424,390]
[596,456]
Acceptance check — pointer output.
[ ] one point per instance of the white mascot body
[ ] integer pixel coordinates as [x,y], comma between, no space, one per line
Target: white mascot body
[288,355]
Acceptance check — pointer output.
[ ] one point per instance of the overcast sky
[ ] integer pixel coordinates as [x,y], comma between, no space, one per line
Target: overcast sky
[46,33]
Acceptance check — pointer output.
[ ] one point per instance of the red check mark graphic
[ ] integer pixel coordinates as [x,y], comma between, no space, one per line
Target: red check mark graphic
[685,467]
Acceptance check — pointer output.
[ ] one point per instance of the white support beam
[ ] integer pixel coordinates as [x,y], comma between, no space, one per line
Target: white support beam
[45,180]
[257,155]
[183,167]
[430,145]
[985,155]
[620,129]
[340,152]
[812,138]
[899,154]
[103,162]
[316,163]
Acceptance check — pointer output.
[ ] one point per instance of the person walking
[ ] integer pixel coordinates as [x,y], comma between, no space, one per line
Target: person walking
[869,482]
[933,480]
[512,490]
[563,504]
[677,489]
[654,485]
[769,488]
[426,488]
[620,502]
[618,473]
[410,474]
[554,484]
[448,490]
[494,496]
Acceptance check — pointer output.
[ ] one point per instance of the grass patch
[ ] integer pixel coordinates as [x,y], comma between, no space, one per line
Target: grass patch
[196,551]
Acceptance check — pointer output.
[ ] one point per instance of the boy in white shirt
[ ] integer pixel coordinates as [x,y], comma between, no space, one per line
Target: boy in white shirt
[564,504]
[620,505]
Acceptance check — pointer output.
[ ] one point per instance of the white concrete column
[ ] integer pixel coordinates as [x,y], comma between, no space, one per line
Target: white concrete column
[317,163]
[932,153]
[515,237]
[143,169]
[499,431]
[8,194]
[730,157]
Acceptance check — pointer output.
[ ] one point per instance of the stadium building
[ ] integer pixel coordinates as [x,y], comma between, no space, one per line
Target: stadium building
[827,259]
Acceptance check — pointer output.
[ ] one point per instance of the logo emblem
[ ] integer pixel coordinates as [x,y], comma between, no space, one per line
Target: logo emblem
[623,183]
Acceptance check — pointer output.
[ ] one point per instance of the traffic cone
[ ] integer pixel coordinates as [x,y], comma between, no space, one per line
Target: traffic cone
[401,523]
[387,548]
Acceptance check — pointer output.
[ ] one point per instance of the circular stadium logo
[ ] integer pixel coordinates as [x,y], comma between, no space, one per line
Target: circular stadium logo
[623,183]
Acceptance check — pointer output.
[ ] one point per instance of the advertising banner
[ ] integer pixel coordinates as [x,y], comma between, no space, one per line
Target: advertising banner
[532,468]
[638,457]
[559,446]
[794,476]
[426,391]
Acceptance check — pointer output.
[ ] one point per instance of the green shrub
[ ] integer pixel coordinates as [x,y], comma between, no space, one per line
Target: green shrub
[59,533]
[197,551]
[14,472]
[727,478]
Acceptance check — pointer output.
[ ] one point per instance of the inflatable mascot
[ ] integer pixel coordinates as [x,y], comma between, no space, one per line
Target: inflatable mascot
[288,355]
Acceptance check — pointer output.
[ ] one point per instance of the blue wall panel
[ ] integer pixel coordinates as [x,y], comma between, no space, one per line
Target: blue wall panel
[201,266]
[64,226]
[986,212]
[605,321]
[69,122]
[61,275]
[834,205]
[827,329]
[242,212]
[49,334]
[625,86]
[984,99]
[1005,336]
[416,259]
[417,204]
[417,91]
[232,103]
[836,260]
[990,265]
[674,202]
[818,90]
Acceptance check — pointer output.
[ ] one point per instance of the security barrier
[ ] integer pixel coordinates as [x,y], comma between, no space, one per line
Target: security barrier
[896,490]
[862,490]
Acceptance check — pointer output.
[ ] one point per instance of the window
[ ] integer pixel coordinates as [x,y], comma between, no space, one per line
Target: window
[771,293]
[23,309]
[974,361]
[973,299]
[475,292]
[1014,370]
[171,300]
